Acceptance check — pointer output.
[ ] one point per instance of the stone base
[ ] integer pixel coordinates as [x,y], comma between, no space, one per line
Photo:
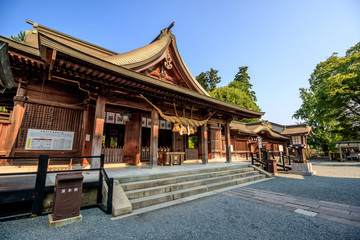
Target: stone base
[121,204]
[62,222]
[303,168]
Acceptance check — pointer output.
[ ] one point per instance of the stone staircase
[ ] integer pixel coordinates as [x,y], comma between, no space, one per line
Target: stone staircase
[148,190]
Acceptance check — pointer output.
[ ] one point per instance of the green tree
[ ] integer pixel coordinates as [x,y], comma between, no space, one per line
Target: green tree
[20,37]
[332,103]
[209,79]
[236,96]
[242,81]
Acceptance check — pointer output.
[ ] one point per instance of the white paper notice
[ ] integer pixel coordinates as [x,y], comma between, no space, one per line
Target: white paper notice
[38,139]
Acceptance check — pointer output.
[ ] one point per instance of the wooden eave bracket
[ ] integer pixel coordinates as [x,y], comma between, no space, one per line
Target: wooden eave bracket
[51,62]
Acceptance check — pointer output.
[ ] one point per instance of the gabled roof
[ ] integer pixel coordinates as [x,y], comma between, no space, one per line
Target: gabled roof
[149,55]
[255,129]
[297,129]
[284,129]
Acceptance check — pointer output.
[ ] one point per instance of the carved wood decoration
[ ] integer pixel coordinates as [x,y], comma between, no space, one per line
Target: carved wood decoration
[168,70]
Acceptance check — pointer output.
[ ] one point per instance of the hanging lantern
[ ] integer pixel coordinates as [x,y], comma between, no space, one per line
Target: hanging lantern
[176,128]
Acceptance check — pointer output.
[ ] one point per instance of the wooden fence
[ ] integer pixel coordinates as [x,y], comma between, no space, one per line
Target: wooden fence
[113,154]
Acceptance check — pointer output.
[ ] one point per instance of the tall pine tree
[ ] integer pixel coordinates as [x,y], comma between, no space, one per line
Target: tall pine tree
[209,79]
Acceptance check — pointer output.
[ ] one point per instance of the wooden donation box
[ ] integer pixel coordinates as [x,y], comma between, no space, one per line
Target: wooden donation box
[171,158]
[67,195]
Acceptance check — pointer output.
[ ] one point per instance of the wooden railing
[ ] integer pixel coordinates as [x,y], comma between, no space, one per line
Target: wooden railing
[191,153]
[113,154]
[145,154]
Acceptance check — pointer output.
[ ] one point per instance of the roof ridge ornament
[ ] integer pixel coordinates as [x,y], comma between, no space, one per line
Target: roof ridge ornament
[166,30]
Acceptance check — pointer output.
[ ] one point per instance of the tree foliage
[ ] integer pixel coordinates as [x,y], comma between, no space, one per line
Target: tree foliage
[209,79]
[236,96]
[20,37]
[332,103]
[242,81]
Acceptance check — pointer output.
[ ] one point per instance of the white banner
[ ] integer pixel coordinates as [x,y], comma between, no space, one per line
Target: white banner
[281,149]
[162,124]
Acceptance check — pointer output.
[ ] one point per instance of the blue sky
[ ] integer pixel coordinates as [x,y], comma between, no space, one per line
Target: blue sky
[280,41]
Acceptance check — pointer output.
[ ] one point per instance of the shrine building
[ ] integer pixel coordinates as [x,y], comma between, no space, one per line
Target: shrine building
[68,97]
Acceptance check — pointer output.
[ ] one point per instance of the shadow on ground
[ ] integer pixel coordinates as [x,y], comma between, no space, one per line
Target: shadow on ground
[333,189]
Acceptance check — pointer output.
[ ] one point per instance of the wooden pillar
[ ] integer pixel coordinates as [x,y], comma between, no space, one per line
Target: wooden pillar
[227,141]
[84,126]
[204,144]
[154,138]
[16,120]
[98,131]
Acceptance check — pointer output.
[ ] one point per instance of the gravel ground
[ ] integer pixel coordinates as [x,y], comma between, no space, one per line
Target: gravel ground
[335,182]
[217,217]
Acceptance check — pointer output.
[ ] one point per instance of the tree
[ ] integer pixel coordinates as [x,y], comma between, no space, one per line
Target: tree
[236,96]
[242,81]
[332,103]
[209,79]
[20,37]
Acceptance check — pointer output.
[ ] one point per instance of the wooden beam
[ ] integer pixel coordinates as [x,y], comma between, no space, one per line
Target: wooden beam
[154,138]
[52,61]
[98,131]
[227,141]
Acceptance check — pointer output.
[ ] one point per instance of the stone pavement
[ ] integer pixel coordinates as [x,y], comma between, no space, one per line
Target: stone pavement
[337,212]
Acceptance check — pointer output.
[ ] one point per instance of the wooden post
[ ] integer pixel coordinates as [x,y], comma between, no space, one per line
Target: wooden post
[39,190]
[154,138]
[16,120]
[204,144]
[227,141]
[98,131]
[84,161]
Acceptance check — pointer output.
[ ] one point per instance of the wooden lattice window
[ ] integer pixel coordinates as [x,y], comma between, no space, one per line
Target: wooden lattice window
[50,118]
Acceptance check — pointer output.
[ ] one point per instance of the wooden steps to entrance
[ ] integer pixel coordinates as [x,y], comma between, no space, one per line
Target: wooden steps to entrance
[148,190]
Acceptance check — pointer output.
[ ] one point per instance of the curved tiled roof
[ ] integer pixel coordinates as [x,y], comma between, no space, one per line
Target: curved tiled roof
[147,54]
[255,129]
[297,129]
[144,53]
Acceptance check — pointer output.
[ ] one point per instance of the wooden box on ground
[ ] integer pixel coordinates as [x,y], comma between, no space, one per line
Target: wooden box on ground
[171,158]
[67,195]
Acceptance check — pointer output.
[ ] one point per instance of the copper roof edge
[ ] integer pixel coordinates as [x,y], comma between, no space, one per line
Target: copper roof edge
[70,38]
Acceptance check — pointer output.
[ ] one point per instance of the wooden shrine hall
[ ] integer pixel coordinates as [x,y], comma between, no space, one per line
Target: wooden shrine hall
[68,97]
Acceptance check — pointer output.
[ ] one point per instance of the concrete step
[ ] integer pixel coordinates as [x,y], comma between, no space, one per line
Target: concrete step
[174,174]
[178,179]
[173,195]
[138,193]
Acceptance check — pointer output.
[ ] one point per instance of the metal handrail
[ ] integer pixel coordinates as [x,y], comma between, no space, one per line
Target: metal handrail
[253,160]
[40,185]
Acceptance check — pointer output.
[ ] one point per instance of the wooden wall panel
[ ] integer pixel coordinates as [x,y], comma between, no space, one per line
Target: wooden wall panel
[50,118]
[132,139]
